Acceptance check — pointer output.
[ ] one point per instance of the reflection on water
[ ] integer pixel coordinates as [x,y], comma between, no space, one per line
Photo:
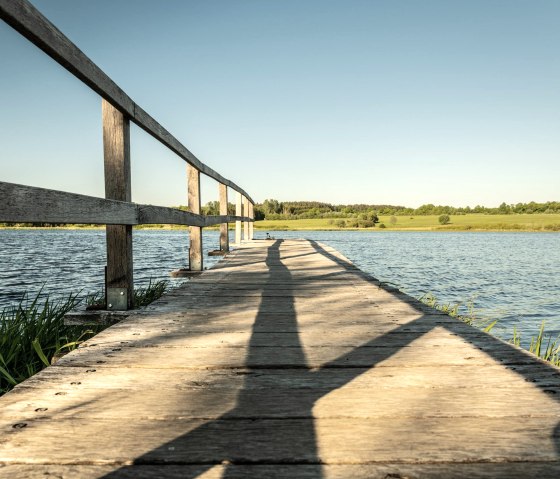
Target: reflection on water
[511,276]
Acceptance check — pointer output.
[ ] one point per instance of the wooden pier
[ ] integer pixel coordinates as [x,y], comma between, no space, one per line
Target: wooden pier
[286,360]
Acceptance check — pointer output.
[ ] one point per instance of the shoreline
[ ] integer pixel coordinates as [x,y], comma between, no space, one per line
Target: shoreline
[475,222]
[450,229]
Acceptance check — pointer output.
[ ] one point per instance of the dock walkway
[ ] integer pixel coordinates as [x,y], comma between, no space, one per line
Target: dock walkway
[285,360]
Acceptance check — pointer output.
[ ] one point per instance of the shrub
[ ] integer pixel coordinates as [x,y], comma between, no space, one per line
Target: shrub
[366,224]
[444,219]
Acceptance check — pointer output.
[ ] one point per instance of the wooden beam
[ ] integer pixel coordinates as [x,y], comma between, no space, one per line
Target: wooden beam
[29,204]
[246,223]
[195,232]
[116,150]
[152,215]
[251,223]
[238,212]
[224,233]
[33,25]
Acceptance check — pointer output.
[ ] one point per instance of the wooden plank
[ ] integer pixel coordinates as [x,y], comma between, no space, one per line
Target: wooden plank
[280,441]
[390,379]
[519,470]
[251,224]
[29,204]
[238,212]
[26,204]
[195,232]
[116,152]
[310,338]
[224,227]
[29,22]
[149,214]
[278,402]
[246,213]
[280,357]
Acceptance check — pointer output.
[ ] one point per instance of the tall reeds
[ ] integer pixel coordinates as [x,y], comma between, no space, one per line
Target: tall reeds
[33,334]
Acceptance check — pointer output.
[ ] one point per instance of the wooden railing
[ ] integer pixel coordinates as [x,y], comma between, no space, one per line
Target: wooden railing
[26,204]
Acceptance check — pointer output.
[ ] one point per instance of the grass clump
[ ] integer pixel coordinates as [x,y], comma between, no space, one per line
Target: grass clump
[147,295]
[142,296]
[470,317]
[550,352]
[33,334]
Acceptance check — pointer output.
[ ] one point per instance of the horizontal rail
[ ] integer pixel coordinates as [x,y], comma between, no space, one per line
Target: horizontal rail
[29,204]
[29,22]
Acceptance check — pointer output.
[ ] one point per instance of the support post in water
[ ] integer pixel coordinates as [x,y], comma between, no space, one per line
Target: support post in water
[245,223]
[119,284]
[224,235]
[238,212]
[195,232]
[252,216]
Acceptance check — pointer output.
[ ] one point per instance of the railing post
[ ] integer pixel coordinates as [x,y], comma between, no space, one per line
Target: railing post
[195,232]
[119,284]
[245,223]
[238,212]
[252,216]
[224,233]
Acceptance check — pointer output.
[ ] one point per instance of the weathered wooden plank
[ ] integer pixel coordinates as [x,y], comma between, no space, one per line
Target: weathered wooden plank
[206,324]
[246,223]
[238,212]
[518,470]
[116,151]
[280,441]
[280,357]
[332,401]
[251,224]
[149,214]
[462,377]
[308,339]
[29,22]
[29,204]
[26,204]
[195,232]
[224,228]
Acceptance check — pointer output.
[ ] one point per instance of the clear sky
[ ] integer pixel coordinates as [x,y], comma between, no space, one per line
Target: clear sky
[346,101]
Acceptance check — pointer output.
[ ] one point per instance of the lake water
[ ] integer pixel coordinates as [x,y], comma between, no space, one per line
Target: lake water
[513,277]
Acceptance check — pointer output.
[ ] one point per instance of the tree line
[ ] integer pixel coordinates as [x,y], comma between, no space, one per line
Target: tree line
[274,209]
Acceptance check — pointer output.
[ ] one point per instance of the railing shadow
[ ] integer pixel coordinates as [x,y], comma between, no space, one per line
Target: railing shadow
[249,432]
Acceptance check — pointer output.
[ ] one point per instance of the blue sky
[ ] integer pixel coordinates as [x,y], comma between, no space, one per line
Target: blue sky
[399,102]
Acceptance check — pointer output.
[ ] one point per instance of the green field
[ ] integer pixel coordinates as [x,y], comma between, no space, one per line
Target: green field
[472,222]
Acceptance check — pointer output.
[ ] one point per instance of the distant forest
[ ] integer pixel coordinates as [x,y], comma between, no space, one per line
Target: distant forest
[276,210]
